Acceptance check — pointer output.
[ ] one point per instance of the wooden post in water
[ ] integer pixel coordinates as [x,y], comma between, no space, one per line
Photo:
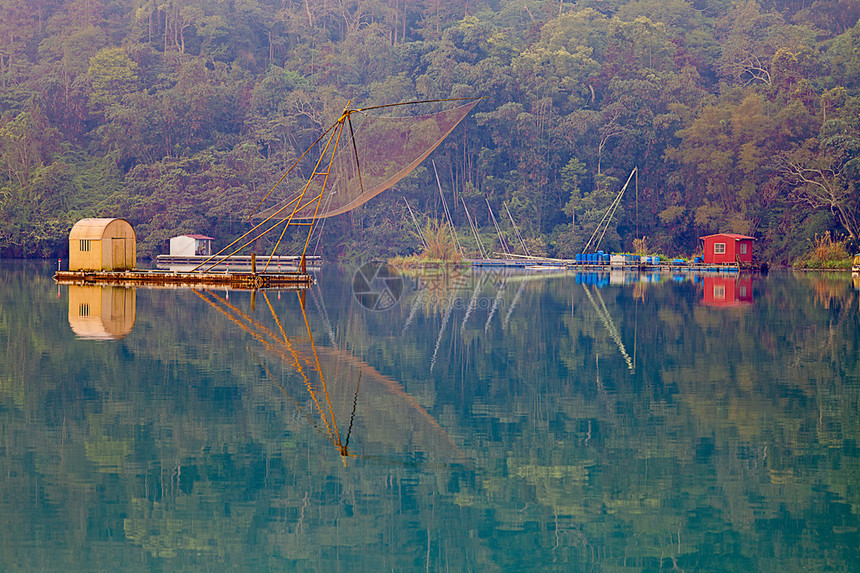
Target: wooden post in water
[253,263]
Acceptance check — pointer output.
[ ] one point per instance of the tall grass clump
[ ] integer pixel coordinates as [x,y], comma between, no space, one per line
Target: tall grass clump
[440,245]
[827,252]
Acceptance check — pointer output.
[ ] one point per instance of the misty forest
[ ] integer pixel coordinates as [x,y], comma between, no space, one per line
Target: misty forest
[180,115]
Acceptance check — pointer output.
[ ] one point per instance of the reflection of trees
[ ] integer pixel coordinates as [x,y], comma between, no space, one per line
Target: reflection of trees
[177,447]
[166,529]
[733,406]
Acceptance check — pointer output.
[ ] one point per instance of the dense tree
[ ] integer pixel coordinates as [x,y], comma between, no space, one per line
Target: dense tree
[738,115]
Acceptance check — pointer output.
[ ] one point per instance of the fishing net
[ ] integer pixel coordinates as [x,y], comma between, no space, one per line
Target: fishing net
[366,158]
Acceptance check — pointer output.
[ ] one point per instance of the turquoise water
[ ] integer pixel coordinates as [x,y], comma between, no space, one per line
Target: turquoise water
[465,422]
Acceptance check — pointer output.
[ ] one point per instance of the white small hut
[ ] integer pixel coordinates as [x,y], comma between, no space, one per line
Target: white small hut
[190,246]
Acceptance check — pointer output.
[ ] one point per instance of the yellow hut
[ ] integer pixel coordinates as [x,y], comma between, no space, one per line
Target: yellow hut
[102,245]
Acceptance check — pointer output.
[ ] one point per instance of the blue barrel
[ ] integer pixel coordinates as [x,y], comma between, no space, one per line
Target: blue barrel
[657,260]
[578,259]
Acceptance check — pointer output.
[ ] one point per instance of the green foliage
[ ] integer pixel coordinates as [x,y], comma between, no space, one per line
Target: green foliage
[113,76]
[740,116]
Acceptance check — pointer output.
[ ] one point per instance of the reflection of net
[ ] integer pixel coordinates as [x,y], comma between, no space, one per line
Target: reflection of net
[388,149]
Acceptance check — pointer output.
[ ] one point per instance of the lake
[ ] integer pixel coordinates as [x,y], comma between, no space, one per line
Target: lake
[460,421]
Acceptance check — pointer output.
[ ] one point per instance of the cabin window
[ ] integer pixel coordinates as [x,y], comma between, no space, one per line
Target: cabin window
[719,248]
[719,291]
[743,248]
[84,310]
[85,245]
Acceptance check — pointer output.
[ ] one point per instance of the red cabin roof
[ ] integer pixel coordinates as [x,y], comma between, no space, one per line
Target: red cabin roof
[734,236]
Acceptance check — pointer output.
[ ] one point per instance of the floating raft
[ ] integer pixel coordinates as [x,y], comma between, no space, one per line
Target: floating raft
[546,263]
[236,262]
[145,278]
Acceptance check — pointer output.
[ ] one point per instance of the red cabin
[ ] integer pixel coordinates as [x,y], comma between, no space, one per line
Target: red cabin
[728,248]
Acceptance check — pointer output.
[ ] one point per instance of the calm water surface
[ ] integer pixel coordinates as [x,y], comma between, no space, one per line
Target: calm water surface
[468,422]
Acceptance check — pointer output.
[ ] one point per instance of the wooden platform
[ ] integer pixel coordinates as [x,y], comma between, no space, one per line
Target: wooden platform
[145,278]
[280,264]
[545,263]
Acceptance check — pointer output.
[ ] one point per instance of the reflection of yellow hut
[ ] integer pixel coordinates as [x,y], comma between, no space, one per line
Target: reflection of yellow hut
[102,245]
[101,313]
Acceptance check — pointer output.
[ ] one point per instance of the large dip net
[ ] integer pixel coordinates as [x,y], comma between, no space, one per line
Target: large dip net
[366,151]
[367,154]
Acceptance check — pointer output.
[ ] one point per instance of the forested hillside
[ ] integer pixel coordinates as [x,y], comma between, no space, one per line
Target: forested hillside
[179,115]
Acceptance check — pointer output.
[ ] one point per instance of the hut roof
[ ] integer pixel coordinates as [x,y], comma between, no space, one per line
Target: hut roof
[729,235]
[91,228]
[199,237]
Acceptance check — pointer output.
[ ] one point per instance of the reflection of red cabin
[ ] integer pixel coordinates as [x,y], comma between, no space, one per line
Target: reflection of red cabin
[728,248]
[727,291]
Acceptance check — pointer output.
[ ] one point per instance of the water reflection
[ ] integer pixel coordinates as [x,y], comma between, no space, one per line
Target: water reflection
[727,291]
[328,375]
[213,434]
[101,312]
